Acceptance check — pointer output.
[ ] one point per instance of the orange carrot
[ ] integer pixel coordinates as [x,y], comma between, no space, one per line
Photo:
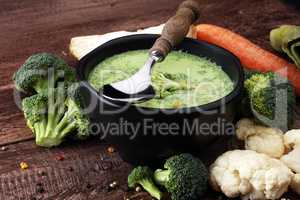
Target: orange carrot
[251,56]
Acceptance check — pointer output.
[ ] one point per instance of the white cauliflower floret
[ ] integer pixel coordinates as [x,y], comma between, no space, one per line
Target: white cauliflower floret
[245,128]
[295,185]
[292,138]
[249,174]
[292,159]
[260,138]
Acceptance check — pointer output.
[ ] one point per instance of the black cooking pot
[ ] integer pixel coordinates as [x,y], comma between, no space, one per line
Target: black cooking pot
[145,135]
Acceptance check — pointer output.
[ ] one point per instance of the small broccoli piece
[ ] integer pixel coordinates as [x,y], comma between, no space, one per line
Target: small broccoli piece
[271,98]
[185,177]
[42,71]
[176,77]
[164,86]
[144,176]
[55,115]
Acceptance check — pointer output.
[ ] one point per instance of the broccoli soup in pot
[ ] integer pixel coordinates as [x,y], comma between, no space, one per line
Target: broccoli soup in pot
[181,80]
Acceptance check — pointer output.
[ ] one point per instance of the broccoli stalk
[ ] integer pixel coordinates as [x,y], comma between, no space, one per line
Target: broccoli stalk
[185,177]
[56,115]
[162,176]
[50,135]
[144,176]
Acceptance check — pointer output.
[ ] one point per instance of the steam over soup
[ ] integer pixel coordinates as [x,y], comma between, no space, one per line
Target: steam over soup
[181,80]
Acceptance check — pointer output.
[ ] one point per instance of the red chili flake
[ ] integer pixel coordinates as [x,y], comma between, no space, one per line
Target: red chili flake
[60,157]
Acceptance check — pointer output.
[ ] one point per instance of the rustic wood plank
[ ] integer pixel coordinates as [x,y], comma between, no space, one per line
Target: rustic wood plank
[85,173]
[12,124]
[33,26]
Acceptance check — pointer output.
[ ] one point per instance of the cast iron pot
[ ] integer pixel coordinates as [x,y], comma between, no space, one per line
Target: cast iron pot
[160,133]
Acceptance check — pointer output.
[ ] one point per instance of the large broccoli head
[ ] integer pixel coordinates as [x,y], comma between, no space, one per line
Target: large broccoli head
[185,177]
[144,176]
[272,99]
[42,71]
[55,115]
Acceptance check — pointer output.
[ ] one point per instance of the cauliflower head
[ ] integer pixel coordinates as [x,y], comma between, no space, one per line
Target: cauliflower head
[250,175]
[260,138]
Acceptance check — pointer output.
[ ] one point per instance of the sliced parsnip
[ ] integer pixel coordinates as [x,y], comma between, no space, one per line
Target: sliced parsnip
[82,45]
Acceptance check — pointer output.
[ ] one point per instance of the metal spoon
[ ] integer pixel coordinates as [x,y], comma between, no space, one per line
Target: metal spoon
[138,87]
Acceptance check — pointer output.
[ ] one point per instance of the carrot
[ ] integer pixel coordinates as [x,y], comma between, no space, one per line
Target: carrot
[251,56]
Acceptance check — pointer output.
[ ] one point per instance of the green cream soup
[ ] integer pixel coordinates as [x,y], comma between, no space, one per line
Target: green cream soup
[181,80]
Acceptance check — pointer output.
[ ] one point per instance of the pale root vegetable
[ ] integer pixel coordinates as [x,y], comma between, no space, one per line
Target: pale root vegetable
[82,45]
[251,55]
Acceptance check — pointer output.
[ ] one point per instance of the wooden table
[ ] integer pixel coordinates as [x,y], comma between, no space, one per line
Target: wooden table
[34,26]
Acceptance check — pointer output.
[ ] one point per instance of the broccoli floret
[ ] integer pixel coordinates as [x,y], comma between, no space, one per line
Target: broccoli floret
[144,176]
[272,99]
[164,86]
[185,177]
[35,107]
[75,104]
[42,71]
[55,115]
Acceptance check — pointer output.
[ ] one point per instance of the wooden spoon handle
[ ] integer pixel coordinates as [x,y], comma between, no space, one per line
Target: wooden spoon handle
[176,28]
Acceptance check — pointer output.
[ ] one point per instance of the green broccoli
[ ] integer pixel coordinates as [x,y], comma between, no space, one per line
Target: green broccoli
[271,98]
[42,71]
[144,176]
[176,77]
[185,177]
[55,115]
[165,86]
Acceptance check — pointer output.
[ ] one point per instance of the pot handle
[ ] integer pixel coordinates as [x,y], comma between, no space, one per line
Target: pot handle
[175,29]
